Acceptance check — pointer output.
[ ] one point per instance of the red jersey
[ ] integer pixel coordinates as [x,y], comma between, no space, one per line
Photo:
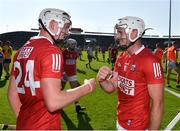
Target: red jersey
[135,72]
[171,53]
[158,53]
[114,52]
[70,61]
[37,59]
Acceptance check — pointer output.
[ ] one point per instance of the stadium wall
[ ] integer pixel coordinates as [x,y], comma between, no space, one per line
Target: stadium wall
[20,37]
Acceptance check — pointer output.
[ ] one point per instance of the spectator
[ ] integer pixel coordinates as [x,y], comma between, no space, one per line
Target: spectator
[7,50]
[1,61]
[109,53]
[34,91]
[137,77]
[89,55]
[80,53]
[103,50]
[96,53]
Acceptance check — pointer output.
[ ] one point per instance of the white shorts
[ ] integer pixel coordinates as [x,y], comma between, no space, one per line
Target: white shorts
[72,78]
[119,127]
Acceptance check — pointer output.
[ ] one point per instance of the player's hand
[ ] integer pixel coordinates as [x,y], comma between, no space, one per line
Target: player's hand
[91,84]
[114,79]
[105,73]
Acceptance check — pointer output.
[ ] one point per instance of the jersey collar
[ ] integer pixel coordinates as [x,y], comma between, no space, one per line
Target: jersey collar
[42,37]
[139,50]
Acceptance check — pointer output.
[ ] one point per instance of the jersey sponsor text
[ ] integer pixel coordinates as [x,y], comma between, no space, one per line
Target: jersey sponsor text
[126,85]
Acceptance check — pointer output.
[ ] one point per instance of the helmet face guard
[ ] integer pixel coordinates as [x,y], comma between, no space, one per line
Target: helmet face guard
[71,44]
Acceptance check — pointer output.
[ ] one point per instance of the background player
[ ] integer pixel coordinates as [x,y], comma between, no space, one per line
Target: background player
[7,50]
[70,55]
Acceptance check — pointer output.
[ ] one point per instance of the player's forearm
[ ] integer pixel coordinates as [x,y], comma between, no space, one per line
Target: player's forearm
[74,94]
[156,116]
[67,97]
[14,103]
[13,97]
[107,86]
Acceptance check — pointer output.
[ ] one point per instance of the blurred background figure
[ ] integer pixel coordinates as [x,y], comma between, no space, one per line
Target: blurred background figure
[1,59]
[113,55]
[89,55]
[7,50]
[96,53]
[80,53]
[158,52]
[70,55]
[109,53]
[171,58]
[103,51]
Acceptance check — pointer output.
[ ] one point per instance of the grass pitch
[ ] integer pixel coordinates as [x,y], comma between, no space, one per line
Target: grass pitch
[101,107]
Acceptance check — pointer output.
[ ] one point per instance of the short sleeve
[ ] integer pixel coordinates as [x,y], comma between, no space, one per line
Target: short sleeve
[51,64]
[153,71]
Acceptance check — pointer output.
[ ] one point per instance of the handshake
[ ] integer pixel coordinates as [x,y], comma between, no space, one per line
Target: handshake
[107,78]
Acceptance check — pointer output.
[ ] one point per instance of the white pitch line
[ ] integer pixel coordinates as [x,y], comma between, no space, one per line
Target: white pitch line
[172,92]
[173,122]
[177,117]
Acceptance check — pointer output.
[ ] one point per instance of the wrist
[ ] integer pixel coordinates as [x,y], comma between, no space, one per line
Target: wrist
[89,86]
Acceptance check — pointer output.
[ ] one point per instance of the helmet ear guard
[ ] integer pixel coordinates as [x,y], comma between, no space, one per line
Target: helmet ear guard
[129,23]
[60,16]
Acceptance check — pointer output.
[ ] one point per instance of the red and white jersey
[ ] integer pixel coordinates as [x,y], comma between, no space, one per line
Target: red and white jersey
[171,53]
[135,72]
[158,53]
[114,52]
[37,59]
[70,62]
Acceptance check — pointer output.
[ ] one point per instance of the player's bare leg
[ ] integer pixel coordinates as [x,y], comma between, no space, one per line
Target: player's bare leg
[6,68]
[178,77]
[168,77]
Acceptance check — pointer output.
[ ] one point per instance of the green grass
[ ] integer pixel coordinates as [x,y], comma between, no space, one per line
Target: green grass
[101,107]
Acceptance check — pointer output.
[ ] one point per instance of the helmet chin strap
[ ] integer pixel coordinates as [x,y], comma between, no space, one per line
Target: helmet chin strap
[56,42]
[125,47]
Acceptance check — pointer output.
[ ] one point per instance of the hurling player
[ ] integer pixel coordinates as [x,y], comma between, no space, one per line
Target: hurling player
[70,55]
[137,78]
[34,91]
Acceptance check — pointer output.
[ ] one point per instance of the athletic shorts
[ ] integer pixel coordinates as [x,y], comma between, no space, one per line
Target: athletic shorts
[72,78]
[119,127]
[7,61]
[66,78]
[171,65]
[90,57]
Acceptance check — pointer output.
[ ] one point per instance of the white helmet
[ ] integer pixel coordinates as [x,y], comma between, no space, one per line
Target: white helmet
[71,42]
[130,23]
[58,15]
